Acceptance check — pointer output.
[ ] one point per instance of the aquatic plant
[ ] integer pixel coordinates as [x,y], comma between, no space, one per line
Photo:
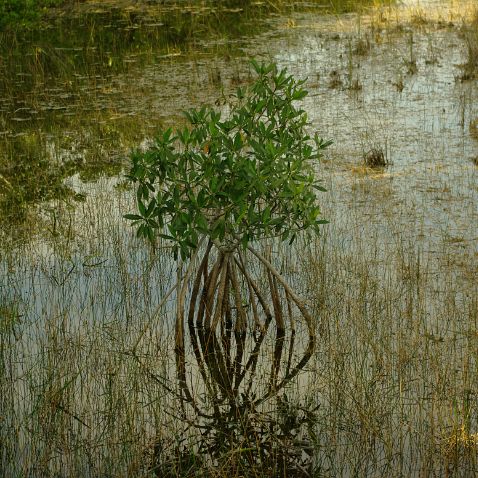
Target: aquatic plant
[235,181]
[214,191]
[471,38]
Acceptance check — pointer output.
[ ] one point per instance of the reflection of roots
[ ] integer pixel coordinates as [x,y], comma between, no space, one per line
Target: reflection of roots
[236,346]
[225,306]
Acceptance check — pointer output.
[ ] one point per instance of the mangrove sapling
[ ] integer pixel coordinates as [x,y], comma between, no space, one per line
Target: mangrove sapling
[215,190]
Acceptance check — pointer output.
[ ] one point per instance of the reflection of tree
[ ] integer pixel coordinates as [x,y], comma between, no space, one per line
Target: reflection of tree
[29,176]
[226,306]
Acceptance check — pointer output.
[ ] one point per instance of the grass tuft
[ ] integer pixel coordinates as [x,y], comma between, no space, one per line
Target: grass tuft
[471,38]
[375,158]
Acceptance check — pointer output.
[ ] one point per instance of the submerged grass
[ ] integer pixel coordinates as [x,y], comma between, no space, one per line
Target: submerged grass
[87,376]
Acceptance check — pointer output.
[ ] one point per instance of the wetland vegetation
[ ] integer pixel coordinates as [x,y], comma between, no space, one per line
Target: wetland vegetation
[95,379]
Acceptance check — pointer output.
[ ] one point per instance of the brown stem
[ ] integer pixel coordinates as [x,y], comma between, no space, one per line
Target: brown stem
[226,325]
[211,306]
[205,304]
[253,358]
[216,358]
[280,330]
[179,344]
[308,320]
[202,272]
[239,328]
[242,267]
[218,314]
[211,291]
[292,334]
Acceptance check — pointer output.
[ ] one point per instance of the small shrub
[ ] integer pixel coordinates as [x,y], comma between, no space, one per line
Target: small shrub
[230,183]
[237,180]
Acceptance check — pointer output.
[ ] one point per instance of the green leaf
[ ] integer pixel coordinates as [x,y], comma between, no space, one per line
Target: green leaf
[218,229]
[201,199]
[253,170]
[132,217]
[166,236]
[150,234]
[256,66]
[151,207]
[201,222]
[299,94]
[142,208]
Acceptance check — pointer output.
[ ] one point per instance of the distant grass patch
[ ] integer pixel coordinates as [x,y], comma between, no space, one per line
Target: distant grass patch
[471,38]
[24,12]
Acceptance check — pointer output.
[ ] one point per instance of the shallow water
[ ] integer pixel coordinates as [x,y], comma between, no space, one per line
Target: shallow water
[75,264]
[425,200]
[423,128]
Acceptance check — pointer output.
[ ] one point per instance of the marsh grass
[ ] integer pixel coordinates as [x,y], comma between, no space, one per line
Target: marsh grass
[471,38]
[62,111]
[87,377]
[375,158]
[70,104]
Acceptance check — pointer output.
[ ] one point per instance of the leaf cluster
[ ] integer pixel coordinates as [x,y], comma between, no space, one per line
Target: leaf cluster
[234,180]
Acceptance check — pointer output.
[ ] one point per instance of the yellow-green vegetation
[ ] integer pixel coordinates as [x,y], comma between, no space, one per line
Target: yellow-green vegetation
[24,13]
[471,37]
